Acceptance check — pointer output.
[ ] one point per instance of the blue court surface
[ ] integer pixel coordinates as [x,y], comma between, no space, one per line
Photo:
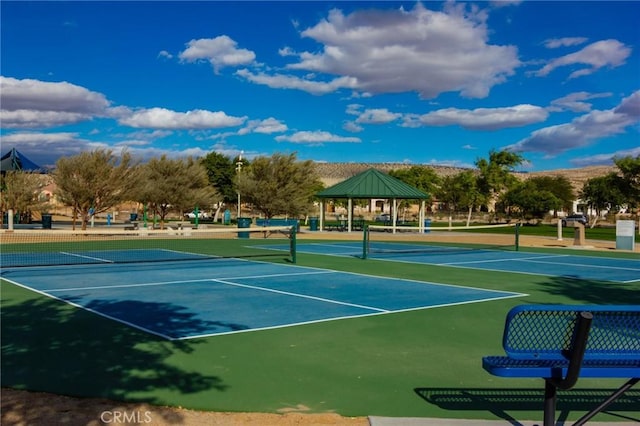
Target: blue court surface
[559,265]
[188,299]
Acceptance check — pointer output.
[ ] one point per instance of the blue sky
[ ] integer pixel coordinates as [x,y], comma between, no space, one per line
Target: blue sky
[414,82]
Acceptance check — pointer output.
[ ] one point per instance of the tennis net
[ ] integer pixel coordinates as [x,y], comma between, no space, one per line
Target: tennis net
[20,248]
[389,241]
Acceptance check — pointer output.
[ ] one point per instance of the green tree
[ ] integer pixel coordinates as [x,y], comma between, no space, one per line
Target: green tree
[559,186]
[221,171]
[423,178]
[603,193]
[530,200]
[630,170]
[175,184]
[461,192]
[279,185]
[496,174]
[20,192]
[96,180]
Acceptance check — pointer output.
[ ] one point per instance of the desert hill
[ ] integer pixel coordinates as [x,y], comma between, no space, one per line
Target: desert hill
[332,173]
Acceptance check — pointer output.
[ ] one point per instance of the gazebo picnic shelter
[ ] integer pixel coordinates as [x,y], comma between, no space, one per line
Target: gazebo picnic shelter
[372,184]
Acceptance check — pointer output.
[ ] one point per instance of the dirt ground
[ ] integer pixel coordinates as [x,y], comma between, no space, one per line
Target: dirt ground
[20,408]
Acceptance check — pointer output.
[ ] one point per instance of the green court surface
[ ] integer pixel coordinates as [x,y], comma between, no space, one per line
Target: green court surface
[418,363]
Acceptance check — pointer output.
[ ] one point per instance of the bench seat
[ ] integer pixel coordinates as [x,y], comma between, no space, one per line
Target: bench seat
[561,343]
[503,366]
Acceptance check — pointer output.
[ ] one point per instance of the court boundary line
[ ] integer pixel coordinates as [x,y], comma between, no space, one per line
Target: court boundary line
[461,264]
[399,311]
[511,259]
[161,283]
[506,295]
[581,264]
[85,308]
[98,259]
[300,295]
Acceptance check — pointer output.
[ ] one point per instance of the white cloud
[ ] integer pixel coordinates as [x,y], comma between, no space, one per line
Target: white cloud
[377,116]
[282,81]
[604,159]
[161,118]
[352,127]
[554,43]
[220,51]
[267,126]
[486,118]
[576,101]
[38,104]
[164,54]
[597,55]
[504,3]
[45,148]
[630,105]
[395,51]
[315,137]
[583,130]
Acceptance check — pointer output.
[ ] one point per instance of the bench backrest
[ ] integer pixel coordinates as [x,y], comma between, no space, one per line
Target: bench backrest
[546,332]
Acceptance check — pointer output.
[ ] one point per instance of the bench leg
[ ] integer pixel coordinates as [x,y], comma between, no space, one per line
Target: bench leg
[550,394]
[584,419]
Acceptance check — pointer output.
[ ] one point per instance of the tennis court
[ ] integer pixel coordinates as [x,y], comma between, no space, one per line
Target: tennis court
[229,323]
[222,296]
[545,264]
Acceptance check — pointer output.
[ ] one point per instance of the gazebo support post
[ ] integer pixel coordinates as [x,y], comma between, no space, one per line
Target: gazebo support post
[395,214]
[321,215]
[349,214]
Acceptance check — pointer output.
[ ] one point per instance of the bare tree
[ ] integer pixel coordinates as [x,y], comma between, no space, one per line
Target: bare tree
[175,184]
[279,185]
[94,182]
[20,192]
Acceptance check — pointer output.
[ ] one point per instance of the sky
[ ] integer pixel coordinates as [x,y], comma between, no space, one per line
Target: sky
[437,83]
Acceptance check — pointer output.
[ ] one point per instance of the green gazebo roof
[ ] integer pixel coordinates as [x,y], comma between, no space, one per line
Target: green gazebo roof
[372,183]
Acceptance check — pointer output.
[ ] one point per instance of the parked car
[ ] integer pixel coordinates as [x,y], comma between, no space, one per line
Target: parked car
[571,219]
[201,215]
[384,217]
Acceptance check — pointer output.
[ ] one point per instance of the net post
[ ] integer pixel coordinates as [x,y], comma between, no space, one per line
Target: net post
[365,240]
[517,242]
[292,244]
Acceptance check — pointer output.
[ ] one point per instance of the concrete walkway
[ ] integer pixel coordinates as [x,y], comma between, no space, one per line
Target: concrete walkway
[424,421]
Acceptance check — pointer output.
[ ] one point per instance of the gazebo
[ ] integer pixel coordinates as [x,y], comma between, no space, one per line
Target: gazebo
[372,184]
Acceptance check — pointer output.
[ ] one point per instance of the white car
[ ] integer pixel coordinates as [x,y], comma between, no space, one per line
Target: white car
[201,215]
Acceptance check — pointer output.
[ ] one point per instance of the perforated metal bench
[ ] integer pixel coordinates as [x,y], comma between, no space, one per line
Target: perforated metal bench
[561,343]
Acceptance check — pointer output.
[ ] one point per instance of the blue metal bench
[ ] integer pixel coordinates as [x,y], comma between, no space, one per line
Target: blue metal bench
[561,343]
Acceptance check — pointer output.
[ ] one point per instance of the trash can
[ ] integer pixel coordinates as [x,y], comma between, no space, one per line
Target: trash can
[313,223]
[133,217]
[244,222]
[46,221]
[227,217]
[427,226]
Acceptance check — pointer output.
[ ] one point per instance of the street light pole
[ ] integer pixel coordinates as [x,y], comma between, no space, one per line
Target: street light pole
[238,169]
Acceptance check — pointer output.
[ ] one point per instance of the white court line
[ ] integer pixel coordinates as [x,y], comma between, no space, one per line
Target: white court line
[99,259]
[160,283]
[304,296]
[342,246]
[418,308]
[531,259]
[76,305]
[584,265]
